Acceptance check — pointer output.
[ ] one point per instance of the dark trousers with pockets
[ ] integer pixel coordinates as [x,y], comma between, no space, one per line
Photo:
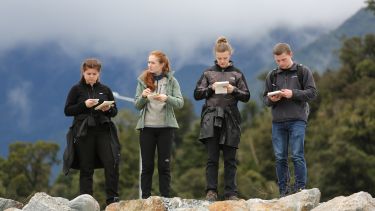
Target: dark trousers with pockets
[150,140]
[96,144]
[230,166]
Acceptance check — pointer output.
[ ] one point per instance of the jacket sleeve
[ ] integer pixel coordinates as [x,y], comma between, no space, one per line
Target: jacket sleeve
[309,92]
[268,88]
[241,92]
[203,89]
[140,101]
[113,111]
[176,99]
[72,107]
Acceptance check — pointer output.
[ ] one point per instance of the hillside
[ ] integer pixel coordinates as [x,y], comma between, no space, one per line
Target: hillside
[322,53]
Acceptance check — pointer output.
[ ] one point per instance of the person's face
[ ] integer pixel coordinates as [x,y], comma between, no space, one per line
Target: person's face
[91,75]
[284,60]
[154,66]
[223,59]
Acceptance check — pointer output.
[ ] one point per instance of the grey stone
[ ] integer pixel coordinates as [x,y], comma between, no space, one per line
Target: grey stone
[302,201]
[84,202]
[361,201]
[44,202]
[8,203]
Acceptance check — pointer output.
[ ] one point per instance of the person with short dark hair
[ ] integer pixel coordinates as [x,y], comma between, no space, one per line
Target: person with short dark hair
[94,135]
[221,86]
[287,91]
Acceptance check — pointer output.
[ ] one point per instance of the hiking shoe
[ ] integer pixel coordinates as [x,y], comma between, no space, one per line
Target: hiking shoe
[211,195]
[284,193]
[112,200]
[232,198]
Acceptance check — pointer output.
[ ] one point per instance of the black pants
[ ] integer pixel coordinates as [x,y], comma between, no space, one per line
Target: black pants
[160,139]
[230,167]
[96,145]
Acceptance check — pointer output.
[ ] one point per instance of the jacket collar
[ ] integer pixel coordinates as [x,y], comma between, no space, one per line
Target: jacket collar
[218,68]
[291,69]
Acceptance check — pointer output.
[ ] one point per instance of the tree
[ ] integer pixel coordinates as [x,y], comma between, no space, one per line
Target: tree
[185,117]
[371,5]
[29,168]
[342,145]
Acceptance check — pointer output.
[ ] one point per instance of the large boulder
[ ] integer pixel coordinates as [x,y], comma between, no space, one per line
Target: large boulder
[84,202]
[360,201]
[302,201]
[153,203]
[8,203]
[44,202]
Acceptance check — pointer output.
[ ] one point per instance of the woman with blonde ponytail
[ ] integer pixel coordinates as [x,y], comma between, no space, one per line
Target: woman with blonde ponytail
[158,94]
[221,86]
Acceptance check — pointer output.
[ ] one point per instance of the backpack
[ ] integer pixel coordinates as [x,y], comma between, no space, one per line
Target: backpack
[273,75]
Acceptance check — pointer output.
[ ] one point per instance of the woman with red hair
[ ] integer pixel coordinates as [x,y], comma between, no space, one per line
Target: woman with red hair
[157,94]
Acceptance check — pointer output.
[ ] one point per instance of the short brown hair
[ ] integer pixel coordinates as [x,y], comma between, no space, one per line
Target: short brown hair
[91,63]
[281,48]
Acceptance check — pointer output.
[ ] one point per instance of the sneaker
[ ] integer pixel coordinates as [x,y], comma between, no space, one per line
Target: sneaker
[284,193]
[211,195]
[233,198]
[112,200]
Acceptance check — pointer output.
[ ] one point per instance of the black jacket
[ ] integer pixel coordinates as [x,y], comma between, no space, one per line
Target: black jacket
[295,108]
[75,106]
[220,110]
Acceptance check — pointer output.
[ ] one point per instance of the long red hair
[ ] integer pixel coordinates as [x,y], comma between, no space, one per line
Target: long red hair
[163,59]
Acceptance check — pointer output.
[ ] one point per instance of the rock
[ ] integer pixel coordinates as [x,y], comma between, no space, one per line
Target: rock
[361,201]
[113,207]
[12,209]
[42,201]
[178,204]
[8,203]
[153,203]
[239,205]
[302,201]
[84,202]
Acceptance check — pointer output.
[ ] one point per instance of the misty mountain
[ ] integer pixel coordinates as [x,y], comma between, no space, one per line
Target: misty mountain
[323,53]
[36,78]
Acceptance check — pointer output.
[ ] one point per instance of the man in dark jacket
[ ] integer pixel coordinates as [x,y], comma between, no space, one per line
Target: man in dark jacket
[287,91]
[222,86]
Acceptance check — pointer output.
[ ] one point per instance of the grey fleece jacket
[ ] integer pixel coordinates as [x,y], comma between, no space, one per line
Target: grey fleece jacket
[295,108]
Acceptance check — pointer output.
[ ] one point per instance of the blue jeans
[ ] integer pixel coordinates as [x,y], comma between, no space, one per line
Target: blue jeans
[289,133]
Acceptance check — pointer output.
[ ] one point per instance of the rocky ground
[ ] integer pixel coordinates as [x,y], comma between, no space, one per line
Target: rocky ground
[302,201]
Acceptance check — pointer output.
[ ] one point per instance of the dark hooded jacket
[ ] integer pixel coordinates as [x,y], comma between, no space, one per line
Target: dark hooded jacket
[220,111]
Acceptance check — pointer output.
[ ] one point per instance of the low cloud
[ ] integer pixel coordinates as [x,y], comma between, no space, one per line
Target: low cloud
[132,28]
[20,104]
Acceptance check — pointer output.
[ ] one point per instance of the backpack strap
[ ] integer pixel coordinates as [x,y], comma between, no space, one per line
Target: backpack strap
[300,75]
[273,76]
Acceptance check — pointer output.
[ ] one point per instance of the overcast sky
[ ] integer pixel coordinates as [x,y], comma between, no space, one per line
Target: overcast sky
[131,27]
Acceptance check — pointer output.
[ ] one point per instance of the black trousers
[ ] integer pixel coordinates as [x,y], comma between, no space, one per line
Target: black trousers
[230,167]
[96,144]
[160,139]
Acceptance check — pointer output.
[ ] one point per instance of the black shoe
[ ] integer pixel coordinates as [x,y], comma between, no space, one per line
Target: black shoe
[112,200]
[211,196]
